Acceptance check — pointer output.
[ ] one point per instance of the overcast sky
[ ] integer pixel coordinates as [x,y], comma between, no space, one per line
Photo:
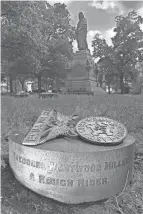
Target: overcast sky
[101,17]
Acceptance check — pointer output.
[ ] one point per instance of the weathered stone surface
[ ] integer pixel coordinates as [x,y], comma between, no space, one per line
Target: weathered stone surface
[50,125]
[72,171]
[34,135]
[49,95]
[81,75]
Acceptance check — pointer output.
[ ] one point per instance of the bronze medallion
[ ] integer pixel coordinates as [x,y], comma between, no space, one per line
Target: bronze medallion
[101,130]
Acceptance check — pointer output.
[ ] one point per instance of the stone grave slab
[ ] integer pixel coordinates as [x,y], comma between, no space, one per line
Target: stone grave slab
[49,95]
[21,94]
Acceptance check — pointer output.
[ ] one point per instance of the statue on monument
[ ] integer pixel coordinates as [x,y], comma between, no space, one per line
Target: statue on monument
[81,32]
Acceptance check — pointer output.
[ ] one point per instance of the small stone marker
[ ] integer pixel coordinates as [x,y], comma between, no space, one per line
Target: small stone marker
[48,95]
[22,94]
[101,130]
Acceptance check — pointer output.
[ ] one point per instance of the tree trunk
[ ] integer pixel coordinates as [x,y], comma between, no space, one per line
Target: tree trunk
[122,83]
[15,86]
[47,87]
[39,85]
[109,92]
[101,82]
[11,84]
[22,83]
[7,84]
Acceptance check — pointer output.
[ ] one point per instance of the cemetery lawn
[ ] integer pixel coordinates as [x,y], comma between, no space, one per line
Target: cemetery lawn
[19,114]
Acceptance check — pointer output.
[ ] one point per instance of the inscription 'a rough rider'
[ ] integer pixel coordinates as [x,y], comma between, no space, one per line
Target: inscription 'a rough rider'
[42,179]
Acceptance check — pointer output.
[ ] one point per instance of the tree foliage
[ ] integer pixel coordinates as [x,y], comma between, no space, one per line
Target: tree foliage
[139,72]
[119,60]
[31,31]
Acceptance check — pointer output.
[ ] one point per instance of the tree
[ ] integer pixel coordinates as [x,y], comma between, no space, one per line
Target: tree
[139,72]
[120,59]
[20,36]
[106,62]
[61,35]
[128,44]
[100,47]
[29,30]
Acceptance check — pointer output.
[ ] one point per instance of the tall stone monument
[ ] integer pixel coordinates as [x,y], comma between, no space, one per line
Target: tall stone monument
[81,71]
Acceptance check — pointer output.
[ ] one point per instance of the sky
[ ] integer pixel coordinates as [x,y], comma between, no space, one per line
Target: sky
[100,17]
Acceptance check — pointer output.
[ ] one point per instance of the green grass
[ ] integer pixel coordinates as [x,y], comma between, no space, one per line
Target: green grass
[21,113]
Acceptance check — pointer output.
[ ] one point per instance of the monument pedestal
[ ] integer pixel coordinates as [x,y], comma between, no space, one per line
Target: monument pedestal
[81,73]
[72,171]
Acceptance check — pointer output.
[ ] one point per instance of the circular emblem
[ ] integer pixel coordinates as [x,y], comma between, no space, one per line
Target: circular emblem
[101,130]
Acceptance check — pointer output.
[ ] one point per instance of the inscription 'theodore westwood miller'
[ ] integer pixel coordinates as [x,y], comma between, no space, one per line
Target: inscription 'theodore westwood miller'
[76,167]
[101,130]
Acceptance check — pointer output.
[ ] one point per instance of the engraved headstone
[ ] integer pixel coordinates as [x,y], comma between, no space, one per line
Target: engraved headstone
[69,169]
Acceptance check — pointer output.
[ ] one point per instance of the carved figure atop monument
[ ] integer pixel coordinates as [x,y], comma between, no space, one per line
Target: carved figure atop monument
[81,32]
